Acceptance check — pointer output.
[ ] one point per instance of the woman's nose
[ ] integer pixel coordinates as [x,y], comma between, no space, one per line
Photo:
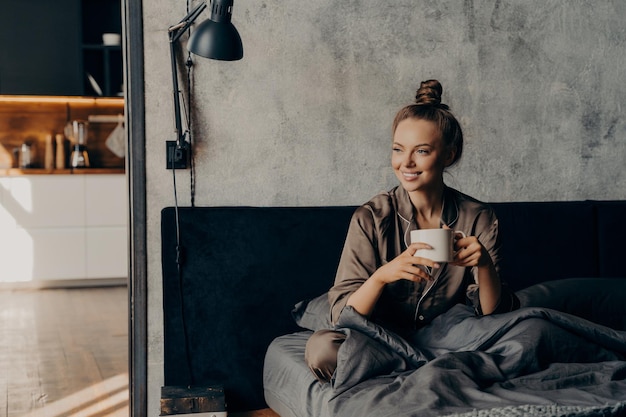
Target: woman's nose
[408,160]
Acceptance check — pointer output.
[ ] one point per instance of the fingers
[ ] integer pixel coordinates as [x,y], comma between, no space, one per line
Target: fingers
[407,271]
[465,257]
[469,253]
[414,247]
[415,273]
[409,267]
[417,260]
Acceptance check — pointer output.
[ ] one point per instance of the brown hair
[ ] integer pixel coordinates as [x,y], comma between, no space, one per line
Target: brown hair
[428,106]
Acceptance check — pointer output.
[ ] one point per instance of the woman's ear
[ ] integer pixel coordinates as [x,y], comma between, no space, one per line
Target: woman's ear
[450,155]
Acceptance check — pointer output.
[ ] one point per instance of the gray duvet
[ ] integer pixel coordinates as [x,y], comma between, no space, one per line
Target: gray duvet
[533,361]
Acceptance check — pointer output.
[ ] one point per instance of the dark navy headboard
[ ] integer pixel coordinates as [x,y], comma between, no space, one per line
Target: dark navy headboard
[243,270]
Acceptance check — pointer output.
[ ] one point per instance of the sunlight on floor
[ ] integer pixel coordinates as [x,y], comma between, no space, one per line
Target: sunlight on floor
[108,398]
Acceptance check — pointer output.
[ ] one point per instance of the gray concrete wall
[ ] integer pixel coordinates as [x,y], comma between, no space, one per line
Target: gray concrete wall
[304,118]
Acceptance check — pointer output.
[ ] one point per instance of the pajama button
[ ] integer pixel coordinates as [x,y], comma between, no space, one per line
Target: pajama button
[420,317]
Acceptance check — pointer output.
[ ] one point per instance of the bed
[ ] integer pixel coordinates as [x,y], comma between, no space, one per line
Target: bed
[547,359]
[233,275]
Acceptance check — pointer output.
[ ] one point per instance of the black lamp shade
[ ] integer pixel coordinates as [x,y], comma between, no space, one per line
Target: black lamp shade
[217,38]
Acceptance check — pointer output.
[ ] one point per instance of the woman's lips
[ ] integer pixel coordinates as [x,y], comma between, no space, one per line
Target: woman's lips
[410,175]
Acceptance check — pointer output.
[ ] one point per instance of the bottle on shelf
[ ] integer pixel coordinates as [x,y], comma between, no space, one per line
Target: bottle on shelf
[49,155]
[60,151]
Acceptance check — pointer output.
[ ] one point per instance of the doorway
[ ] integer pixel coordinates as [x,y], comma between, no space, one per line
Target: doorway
[132,34]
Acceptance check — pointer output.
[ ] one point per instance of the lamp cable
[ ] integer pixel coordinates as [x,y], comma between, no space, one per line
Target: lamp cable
[180,253]
[180,260]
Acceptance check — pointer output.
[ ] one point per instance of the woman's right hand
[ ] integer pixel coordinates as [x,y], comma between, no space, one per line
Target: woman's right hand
[406,266]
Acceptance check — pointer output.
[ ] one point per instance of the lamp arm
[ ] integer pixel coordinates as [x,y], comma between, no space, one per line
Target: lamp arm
[178,29]
[175,32]
[177,119]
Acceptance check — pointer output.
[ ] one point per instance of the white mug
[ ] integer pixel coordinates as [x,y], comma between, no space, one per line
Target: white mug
[441,241]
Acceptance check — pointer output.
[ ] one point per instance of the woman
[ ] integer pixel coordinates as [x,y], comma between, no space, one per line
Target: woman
[378,274]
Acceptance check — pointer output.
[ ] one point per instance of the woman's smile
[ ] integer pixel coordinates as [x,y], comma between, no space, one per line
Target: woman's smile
[410,176]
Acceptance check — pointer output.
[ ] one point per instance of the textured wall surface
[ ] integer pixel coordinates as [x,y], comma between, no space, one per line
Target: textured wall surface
[304,118]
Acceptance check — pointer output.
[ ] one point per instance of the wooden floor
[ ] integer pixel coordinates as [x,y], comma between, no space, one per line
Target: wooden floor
[64,352]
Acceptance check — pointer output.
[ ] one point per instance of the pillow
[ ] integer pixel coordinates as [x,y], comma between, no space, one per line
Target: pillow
[313,314]
[600,300]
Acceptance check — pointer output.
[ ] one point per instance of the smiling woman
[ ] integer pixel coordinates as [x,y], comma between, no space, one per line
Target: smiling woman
[380,274]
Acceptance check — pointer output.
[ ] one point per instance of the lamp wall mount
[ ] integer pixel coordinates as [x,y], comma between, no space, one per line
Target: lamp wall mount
[177,156]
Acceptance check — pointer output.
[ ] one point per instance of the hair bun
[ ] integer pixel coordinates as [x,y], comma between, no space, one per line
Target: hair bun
[429,94]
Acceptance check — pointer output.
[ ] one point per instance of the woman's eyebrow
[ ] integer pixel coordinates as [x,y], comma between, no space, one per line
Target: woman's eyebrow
[416,146]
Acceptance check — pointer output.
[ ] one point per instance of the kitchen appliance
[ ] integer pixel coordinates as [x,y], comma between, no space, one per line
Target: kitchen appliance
[27,155]
[76,131]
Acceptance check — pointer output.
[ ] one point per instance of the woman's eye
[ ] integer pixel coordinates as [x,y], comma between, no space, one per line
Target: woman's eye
[397,150]
[421,152]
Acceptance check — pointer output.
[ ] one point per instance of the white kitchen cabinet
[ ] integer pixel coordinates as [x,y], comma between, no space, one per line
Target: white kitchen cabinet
[47,201]
[63,227]
[106,252]
[53,253]
[106,200]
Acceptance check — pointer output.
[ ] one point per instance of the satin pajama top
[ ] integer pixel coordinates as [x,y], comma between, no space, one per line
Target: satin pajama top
[380,230]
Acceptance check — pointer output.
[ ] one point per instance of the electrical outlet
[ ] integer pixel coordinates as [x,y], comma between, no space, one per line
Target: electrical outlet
[177,158]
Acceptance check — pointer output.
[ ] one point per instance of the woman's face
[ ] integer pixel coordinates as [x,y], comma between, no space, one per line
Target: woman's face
[419,155]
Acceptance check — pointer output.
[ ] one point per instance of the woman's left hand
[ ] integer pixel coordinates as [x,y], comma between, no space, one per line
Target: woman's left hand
[470,252]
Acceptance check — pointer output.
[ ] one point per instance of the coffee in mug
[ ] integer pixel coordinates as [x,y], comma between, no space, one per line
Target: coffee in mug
[441,241]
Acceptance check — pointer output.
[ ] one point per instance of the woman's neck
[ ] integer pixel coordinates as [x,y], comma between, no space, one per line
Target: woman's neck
[428,206]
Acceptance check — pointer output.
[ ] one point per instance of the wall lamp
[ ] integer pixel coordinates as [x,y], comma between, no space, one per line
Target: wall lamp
[215,38]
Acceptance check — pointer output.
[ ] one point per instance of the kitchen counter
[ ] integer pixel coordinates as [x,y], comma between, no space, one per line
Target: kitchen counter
[14,172]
